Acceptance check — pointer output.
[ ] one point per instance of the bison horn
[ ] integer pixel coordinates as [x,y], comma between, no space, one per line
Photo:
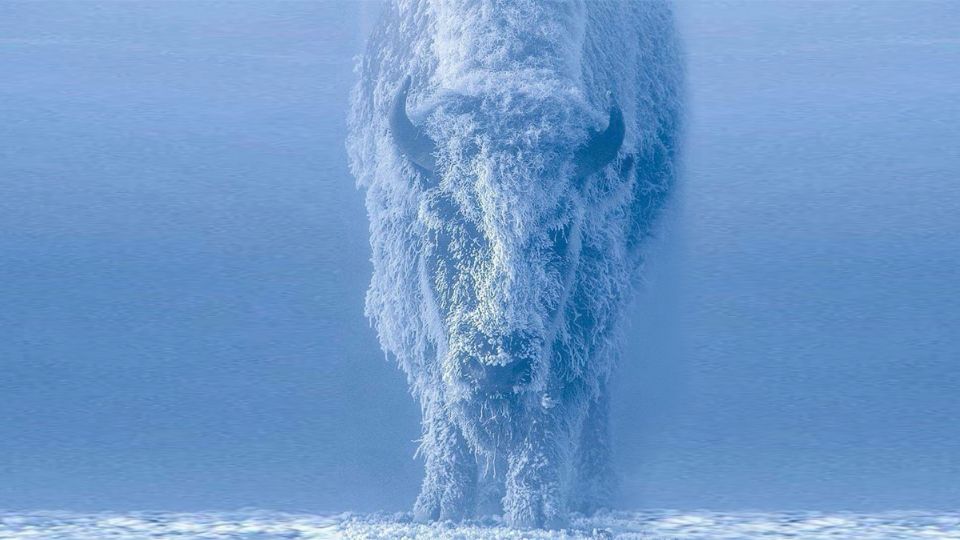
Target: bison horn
[602,147]
[410,139]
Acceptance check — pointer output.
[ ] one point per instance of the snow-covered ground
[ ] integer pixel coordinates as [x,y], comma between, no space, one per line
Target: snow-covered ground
[651,524]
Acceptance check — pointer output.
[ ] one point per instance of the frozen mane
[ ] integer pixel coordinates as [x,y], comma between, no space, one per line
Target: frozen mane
[514,156]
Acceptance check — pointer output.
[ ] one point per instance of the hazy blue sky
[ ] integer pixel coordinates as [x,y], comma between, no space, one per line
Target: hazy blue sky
[183,259]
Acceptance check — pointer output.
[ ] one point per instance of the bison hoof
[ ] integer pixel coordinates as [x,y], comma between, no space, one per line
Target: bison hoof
[425,512]
[443,507]
[535,513]
[536,521]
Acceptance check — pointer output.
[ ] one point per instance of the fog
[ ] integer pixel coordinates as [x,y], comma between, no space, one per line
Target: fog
[183,261]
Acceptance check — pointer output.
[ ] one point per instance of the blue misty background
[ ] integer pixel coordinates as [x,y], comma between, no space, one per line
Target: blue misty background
[183,259]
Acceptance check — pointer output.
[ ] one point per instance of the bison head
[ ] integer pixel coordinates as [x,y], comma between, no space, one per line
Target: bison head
[501,181]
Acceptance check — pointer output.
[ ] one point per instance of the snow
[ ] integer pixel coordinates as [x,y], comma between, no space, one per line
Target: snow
[648,524]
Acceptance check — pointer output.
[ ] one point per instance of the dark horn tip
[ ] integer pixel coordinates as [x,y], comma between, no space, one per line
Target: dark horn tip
[603,146]
[410,139]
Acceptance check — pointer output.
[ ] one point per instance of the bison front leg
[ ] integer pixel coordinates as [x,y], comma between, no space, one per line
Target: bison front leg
[595,482]
[535,494]
[450,483]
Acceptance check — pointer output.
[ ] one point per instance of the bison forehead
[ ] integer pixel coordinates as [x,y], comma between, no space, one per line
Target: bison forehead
[509,117]
[476,40]
[510,141]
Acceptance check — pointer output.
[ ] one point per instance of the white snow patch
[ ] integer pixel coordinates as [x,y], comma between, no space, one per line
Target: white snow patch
[647,525]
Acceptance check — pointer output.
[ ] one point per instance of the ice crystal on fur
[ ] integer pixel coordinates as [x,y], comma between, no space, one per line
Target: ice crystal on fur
[515,154]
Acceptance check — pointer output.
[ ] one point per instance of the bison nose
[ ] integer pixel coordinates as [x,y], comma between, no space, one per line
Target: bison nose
[501,377]
[507,347]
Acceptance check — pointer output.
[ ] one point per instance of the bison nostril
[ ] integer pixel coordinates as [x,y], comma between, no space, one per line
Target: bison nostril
[500,362]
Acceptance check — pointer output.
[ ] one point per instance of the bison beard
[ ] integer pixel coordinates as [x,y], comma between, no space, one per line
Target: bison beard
[507,221]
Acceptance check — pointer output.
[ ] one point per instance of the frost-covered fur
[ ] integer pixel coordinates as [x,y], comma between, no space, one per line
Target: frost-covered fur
[500,275]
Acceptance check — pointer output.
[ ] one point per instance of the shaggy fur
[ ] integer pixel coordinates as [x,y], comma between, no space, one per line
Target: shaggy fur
[502,269]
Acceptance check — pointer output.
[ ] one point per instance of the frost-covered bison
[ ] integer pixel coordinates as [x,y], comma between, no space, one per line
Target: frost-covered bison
[515,155]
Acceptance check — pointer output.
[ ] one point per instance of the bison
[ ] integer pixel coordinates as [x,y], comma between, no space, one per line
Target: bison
[515,156]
